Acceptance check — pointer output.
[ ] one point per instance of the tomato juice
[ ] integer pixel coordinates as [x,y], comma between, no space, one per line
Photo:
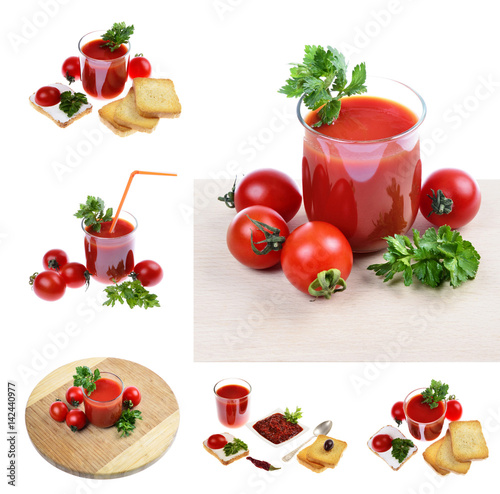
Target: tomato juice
[104,405]
[103,72]
[110,255]
[232,398]
[363,172]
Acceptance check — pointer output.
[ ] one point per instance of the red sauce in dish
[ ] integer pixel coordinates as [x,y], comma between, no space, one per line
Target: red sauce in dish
[276,428]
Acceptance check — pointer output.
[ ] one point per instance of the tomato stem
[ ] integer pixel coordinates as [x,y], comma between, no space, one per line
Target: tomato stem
[440,203]
[228,198]
[273,240]
[325,285]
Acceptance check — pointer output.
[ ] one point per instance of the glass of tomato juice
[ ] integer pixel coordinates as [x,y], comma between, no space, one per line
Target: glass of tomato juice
[363,172]
[103,407]
[110,255]
[232,397]
[103,72]
[424,423]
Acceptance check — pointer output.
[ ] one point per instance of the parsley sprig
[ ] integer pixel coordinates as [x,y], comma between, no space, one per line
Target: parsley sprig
[86,378]
[436,257]
[118,34]
[401,448]
[131,292]
[126,423]
[93,213]
[233,447]
[435,393]
[72,102]
[322,73]
[293,417]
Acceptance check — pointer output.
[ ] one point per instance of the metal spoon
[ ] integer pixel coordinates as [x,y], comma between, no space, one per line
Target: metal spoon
[323,428]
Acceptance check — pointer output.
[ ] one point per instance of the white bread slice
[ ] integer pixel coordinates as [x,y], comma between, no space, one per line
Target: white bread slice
[126,115]
[156,98]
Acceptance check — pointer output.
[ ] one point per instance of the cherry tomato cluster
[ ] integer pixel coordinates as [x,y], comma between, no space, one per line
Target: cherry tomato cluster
[316,257]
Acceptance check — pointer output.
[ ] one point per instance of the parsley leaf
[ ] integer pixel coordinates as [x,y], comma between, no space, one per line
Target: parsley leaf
[118,34]
[93,213]
[435,393]
[86,378]
[401,448]
[126,423]
[131,292]
[434,257]
[72,102]
[321,73]
[293,417]
[235,446]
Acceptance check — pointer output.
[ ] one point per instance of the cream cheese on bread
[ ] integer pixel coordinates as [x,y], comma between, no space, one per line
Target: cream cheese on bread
[220,452]
[387,455]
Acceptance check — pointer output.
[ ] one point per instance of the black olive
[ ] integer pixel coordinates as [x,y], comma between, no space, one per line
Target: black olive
[328,445]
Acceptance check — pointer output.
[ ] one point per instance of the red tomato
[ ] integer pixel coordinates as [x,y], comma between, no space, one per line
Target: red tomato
[71,69]
[453,410]
[241,231]
[48,285]
[271,188]
[382,442]
[149,273]
[48,96]
[74,396]
[216,441]
[313,248]
[76,419]
[450,197]
[131,395]
[75,274]
[54,259]
[58,411]
[139,67]
[398,413]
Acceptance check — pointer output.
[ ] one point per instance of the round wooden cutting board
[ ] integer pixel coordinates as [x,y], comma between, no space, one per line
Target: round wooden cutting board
[102,453]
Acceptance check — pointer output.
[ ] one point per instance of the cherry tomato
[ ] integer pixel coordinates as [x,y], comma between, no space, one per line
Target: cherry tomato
[76,419]
[74,396]
[216,441]
[131,395]
[450,197]
[48,96]
[139,67]
[453,410]
[55,259]
[149,273]
[382,442]
[241,231]
[75,274]
[312,248]
[398,413]
[71,69]
[48,285]
[58,411]
[271,188]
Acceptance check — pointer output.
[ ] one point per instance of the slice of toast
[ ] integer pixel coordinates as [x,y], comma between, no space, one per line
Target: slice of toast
[430,456]
[219,453]
[156,98]
[467,441]
[302,459]
[318,454]
[447,461]
[106,114]
[126,115]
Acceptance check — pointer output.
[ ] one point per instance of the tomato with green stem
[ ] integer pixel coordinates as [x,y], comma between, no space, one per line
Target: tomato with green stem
[76,419]
[48,285]
[75,275]
[139,66]
[149,273]
[131,397]
[71,69]
[58,411]
[74,396]
[398,413]
[453,409]
[54,259]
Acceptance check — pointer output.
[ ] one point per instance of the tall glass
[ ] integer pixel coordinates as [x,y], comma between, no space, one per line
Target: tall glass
[232,397]
[368,189]
[103,79]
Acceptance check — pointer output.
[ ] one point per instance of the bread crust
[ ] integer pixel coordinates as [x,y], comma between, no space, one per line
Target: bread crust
[227,462]
[63,125]
[156,98]
[126,114]
[430,456]
[467,440]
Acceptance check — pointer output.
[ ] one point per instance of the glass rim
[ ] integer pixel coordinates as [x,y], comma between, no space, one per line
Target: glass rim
[249,387]
[372,141]
[102,31]
[135,224]
[419,390]
[107,401]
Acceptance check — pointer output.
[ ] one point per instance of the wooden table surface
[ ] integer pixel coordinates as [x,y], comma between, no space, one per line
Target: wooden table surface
[101,453]
[242,314]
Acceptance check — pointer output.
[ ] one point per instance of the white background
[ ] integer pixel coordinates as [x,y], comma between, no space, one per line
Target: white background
[227,58]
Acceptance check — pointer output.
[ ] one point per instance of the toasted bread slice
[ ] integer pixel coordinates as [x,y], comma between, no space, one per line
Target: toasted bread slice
[467,441]
[394,433]
[156,98]
[430,456]
[318,454]
[126,115]
[219,453]
[302,459]
[447,461]
[106,114]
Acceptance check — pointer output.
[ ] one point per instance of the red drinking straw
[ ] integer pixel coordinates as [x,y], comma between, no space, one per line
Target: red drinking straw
[132,175]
